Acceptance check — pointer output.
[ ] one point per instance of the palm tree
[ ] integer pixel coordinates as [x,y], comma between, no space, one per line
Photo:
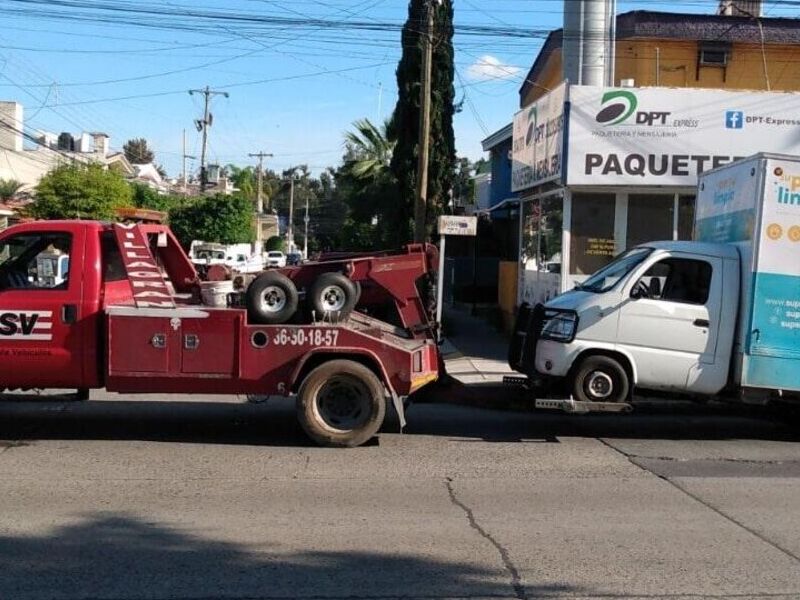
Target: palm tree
[369,150]
[9,189]
[243,178]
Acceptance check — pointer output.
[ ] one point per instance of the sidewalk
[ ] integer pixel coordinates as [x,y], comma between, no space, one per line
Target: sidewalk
[474,352]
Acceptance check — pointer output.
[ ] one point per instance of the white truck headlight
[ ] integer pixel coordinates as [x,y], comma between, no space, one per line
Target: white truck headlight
[559,325]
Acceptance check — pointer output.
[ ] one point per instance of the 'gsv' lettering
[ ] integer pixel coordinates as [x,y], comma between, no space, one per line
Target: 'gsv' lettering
[12,323]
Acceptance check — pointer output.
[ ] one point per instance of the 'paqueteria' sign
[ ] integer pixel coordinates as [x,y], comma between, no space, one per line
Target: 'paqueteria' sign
[147,282]
[668,136]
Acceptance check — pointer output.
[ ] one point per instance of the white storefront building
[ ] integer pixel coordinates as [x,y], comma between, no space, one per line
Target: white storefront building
[602,169]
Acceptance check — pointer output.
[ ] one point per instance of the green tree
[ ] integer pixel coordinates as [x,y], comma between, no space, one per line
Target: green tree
[405,121]
[244,178]
[220,218]
[80,192]
[9,189]
[275,243]
[146,197]
[137,152]
[369,149]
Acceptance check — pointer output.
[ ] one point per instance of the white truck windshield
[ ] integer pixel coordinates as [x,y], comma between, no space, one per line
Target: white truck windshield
[607,277]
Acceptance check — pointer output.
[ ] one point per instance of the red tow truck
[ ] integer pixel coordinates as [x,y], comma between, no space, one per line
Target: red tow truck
[127,316]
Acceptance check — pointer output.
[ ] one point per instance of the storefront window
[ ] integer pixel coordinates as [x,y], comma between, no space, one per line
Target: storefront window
[650,218]
[592,244]
[541,234]
[540,273]
[685,217]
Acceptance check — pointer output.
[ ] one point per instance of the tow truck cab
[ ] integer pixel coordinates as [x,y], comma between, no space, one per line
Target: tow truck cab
[134,323]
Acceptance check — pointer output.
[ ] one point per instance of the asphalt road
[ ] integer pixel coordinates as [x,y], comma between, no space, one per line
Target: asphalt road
[209,500]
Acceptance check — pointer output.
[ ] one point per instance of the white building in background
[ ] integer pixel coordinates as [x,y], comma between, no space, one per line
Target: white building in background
[25,157]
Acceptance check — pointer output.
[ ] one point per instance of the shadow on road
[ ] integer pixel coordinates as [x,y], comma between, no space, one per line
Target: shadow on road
[120,556]
[274,423]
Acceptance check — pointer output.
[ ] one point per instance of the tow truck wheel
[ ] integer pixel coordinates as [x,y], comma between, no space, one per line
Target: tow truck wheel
[600,379]
[341,403]
[333,294]
[271,299]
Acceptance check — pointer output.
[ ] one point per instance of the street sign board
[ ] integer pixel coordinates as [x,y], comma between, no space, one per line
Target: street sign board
[451,225]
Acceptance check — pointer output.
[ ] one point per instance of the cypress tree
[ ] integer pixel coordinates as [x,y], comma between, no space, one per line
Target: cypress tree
[405,121]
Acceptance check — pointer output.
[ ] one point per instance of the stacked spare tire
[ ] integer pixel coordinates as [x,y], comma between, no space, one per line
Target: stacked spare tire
[273,298]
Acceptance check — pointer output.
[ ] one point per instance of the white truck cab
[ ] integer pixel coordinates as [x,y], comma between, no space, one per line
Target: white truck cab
[693,318]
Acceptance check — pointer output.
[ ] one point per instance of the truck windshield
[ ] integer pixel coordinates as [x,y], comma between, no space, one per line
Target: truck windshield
[607,277]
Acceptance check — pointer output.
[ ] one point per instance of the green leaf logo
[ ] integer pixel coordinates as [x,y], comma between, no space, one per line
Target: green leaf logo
[533,118]
[616,106]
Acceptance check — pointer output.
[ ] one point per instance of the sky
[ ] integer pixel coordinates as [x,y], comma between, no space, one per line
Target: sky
[298,73]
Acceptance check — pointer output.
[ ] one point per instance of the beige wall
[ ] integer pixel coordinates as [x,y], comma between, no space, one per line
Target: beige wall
[507,292]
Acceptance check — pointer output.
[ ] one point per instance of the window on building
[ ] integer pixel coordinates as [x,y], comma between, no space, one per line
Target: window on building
[676,280]
[592,245]
[713,54]
[34,261]
[685,217]
[650,218]
[542,226]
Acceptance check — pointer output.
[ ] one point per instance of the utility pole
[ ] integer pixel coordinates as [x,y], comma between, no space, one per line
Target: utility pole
[305,239]
[289,232]
[185,156]
[421,201]
[261,156]
[203,125]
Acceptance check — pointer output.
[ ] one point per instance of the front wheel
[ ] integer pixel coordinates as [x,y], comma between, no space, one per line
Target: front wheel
[601,379]
[341,403]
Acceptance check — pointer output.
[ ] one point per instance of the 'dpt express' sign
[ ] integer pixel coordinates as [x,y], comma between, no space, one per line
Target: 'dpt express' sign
[149,288]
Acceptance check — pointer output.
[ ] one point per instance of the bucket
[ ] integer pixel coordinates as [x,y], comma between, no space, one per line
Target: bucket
[215,293]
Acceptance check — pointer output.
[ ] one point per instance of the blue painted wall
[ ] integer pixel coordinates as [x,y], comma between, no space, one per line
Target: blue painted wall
[501,172]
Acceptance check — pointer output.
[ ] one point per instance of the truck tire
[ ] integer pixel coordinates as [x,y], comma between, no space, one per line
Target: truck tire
[271,299]
[341,404]
[600,379]
[332,295]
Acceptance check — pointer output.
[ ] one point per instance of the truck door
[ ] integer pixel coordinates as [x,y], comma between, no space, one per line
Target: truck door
[669,324]
[40,310]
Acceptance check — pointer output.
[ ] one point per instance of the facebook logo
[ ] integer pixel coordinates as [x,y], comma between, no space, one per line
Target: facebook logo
[734,119]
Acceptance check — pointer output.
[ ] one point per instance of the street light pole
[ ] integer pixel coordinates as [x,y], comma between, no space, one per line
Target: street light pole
[260,200]
[289,229]
[305,239]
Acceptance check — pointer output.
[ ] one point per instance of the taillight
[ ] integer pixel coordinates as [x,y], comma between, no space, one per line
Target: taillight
[416,362]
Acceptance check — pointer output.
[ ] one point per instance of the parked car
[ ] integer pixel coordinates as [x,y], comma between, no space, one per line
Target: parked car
[294,259]
[276,258]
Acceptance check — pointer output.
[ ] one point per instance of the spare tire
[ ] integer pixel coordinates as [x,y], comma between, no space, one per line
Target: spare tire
[332,295]
[271,299]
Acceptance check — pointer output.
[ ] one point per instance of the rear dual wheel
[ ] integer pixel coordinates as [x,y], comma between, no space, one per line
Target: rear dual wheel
[341,403]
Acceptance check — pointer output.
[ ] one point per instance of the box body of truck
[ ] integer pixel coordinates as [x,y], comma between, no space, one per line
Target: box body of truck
[754,204]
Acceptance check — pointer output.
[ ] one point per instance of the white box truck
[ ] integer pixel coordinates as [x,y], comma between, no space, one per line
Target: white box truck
[718,316]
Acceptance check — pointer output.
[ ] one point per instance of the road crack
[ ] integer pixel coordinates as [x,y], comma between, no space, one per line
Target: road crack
[505,557]
[631,458]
